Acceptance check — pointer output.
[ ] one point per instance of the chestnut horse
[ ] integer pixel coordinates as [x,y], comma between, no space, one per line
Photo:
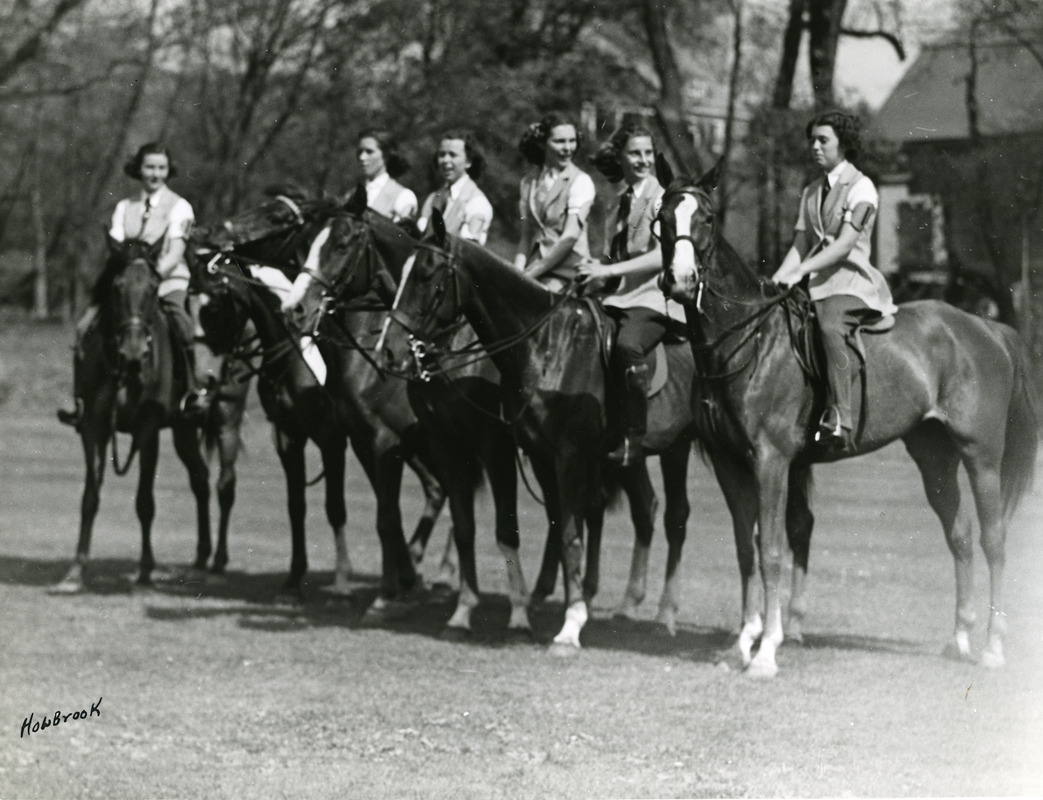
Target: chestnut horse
[953,387]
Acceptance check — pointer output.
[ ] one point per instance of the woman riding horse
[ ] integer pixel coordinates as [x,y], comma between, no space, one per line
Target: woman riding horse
[464,207]
[155,213]
[555,202]
[644,316]
[833,237]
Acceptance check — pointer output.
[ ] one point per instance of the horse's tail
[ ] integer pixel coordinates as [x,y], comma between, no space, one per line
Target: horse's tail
[1022,434]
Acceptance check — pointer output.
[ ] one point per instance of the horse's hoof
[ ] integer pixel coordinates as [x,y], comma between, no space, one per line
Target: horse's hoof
[66,587]
[451,633]
[563,650]
[520,636]
[953,652]
[759,670]
[339,588]
[992,660]
[384,610]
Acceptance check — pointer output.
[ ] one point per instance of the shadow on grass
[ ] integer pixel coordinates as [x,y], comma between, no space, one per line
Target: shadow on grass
[256,602]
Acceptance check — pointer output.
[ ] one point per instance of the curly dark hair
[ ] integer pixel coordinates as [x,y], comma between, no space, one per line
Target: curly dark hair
[533,142]
[608,158]
[845,125]
[395,163]
[471,149]
[132,169]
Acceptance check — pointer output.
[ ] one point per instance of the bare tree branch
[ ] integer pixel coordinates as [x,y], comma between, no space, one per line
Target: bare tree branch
[32,43]
[891,38]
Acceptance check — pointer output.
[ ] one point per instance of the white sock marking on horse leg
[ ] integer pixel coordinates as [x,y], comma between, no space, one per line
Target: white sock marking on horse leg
[668,604]
[575,619]
[519,592]
[342,570]
[748,636]
[635,591]
[465,604]
[313,358]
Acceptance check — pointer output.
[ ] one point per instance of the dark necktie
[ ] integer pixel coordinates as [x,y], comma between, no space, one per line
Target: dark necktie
[825,194]
[144,216]
[619,250]
[441,201]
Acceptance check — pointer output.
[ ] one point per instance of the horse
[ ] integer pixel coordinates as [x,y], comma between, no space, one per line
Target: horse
[547,348]
[953,387]
[455,391]
[279,233]
[132,385]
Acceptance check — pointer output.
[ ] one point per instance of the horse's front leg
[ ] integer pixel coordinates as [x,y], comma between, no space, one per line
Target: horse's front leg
[145,501]
[186,445]
[229,443]
[95,433]
[333,460]
[291,454]
[643,503]
[773,485]
[674,464]
[576,482]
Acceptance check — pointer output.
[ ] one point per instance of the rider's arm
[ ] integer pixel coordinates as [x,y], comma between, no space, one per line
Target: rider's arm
[173,254]
[559,250]
[521,256]
[833,253]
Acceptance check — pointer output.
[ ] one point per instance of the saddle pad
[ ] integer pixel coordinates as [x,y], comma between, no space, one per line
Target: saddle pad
[661,371]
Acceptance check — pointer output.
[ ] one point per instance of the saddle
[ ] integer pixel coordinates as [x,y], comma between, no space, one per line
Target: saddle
[656,361]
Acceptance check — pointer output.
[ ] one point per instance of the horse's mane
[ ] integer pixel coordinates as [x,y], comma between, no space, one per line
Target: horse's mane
[519,280]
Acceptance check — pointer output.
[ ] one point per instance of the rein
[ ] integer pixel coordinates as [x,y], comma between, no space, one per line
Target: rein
[475,350]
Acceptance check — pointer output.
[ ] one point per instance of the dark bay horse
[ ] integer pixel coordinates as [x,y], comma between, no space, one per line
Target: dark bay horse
[553,390]
[277,235]
[457,404]
[951,386]
[132,385]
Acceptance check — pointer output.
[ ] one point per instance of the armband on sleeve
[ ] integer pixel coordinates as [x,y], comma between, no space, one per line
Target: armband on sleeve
[860,216]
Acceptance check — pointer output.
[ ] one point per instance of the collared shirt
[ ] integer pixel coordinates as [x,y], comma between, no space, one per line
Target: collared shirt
[476,207]
[178,221]
[405,204]
[169,217]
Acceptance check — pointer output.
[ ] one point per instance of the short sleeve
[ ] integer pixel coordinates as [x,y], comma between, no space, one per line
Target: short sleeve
[405,206]
[802,223]
[180,221]
[523,198]
[478,214]
[116,226]
[581,196]
[863,191]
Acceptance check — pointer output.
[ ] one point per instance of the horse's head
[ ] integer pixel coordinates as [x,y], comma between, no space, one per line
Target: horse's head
[284,213]
[224,307]
[134,303]
[688,230]
[431,297]
[359,260]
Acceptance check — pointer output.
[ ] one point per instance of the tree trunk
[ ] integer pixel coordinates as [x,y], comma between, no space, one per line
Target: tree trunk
[783,94]
[670,106]
[733,94]
[984,196]
[40,310]
[824,31]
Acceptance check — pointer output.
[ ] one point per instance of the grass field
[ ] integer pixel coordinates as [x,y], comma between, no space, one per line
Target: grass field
[214,689]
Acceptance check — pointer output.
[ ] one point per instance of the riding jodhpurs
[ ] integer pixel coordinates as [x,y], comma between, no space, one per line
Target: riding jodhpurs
[838,317]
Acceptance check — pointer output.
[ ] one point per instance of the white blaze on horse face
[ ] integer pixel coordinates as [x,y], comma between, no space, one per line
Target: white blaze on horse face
[683,269]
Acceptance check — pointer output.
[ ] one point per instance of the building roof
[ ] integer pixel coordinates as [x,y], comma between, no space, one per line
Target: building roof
[929,103]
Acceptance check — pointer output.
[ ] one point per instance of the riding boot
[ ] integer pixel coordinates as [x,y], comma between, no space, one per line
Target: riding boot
[84,326]
[201,379]
[635,415]
[835,425]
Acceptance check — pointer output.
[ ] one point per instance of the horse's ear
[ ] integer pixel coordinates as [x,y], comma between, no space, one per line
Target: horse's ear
[712,179]
[663,173]
[356,204]
[156,248]
[438,227]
